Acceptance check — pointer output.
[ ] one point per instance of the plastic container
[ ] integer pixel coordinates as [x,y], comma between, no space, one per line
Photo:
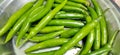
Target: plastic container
[7,7]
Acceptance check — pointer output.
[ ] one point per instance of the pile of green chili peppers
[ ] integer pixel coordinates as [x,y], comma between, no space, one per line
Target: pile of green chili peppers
[51,23]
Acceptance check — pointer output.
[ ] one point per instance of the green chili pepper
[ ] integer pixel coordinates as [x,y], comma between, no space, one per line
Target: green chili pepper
[69,33]
[16,27]
[11,21]
[111,41]
[36,10]
[18,24]
[49,29]
[70,15]
[47,44]
[99,51]
[46,36]
[44,21]
[67,23]
[79,36]
[42,53]
[61,12]
[40,14]
[38,3]
[72,8]
[85,2]
[72,4]
[113,37]
[26,26]
[107,47]
[89,40]
[96,44]
[102,22]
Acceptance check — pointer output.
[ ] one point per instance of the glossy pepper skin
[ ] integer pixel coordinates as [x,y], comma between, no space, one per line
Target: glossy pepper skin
[70,16]
[96,44]
[37,15]
[79,36]
[42,53]
[43,22]
[49,29]
[90,39]
[38,3]
[36,10]
[85,2]
[72,4]
[69,33]
[72,9]
[26,25]
[66,23]
[46,36]
[100,51]
[110,43]
[21,20]
[47,44]
[103,25]
[15,17]
[107,47]
[16,27]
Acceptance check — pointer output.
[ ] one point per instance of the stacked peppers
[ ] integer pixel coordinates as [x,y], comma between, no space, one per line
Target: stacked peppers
[60,23]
